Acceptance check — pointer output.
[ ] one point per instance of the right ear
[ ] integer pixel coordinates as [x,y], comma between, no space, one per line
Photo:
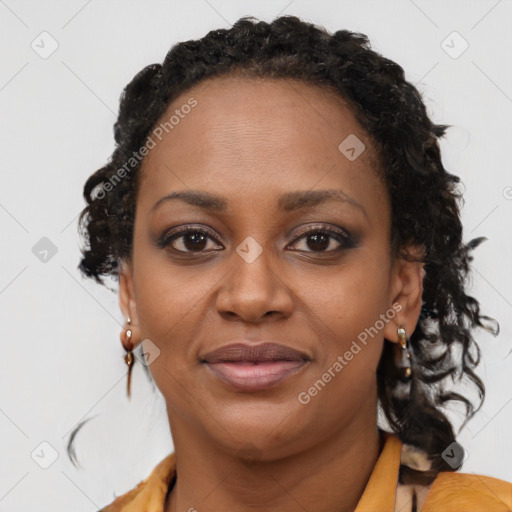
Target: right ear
[127,301]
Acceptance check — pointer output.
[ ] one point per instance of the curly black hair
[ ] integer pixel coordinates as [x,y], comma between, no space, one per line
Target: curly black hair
[424,197]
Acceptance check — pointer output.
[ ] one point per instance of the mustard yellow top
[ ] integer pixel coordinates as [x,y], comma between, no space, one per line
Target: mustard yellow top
[449,492]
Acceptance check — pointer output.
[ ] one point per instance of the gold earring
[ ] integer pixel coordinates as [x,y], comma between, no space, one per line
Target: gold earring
[126,337]
[406,368]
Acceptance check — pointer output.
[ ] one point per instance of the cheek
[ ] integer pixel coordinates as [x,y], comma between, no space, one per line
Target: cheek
[166,294]
[172,311]
[349,311]
[351,298]
[161,301]
[168,311]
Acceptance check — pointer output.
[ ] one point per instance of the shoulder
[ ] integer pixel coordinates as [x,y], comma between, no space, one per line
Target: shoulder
[149,494]
[455,492]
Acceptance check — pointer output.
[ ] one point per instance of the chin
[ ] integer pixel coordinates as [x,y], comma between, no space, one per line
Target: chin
[260,431]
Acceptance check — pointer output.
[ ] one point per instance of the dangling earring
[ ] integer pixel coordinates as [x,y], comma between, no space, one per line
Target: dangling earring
[406,354]
[126,336]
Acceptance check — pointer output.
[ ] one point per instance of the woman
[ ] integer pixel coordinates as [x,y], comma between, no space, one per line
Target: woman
[289,251]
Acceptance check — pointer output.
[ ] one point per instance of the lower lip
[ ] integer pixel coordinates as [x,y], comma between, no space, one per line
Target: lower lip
[244,376]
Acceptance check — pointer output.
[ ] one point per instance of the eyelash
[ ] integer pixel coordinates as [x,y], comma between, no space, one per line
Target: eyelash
[340,235]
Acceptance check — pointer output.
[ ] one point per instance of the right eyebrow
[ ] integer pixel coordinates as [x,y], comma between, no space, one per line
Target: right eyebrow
[195,198]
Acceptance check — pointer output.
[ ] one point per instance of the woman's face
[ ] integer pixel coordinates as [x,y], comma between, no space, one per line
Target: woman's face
[252,159]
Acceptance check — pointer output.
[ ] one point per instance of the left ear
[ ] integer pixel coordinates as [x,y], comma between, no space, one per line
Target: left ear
[406,294]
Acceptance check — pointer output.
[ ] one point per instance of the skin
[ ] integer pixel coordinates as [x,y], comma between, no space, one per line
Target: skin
[250,141]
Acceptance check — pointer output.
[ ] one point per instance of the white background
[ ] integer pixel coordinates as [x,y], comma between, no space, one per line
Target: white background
[62,360]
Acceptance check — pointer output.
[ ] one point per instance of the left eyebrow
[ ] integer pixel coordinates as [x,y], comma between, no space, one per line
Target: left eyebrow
[292,201]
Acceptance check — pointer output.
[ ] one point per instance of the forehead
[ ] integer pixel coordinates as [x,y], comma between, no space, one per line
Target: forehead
[230,132]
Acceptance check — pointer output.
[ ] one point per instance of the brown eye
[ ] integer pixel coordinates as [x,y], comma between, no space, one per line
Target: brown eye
[188,240]
[324,240]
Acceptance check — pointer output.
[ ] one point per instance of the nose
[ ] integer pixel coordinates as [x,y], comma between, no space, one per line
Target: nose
[253,292]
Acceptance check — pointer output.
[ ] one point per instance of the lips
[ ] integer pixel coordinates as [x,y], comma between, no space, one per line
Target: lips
[247,368]
[253,353]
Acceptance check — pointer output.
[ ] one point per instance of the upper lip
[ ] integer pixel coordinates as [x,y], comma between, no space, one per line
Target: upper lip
[263,352]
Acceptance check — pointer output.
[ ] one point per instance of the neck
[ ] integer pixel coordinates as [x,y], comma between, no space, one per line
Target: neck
[331,475]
